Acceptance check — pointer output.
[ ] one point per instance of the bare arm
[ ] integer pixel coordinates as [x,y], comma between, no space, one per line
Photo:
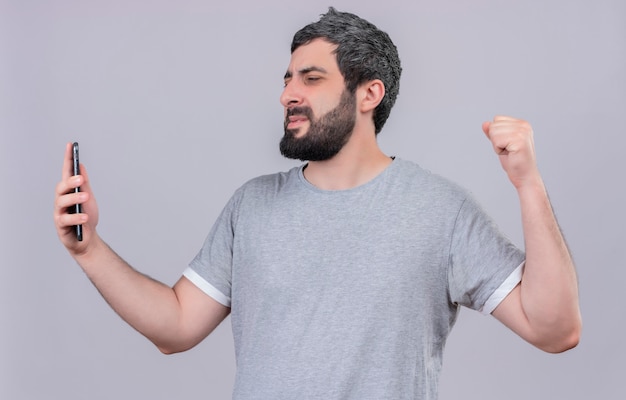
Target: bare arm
[174,319]
[543,309]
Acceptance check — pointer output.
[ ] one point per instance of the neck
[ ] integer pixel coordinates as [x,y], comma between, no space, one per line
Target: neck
[358,162]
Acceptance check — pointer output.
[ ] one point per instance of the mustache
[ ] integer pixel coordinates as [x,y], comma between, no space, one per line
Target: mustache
[305,111]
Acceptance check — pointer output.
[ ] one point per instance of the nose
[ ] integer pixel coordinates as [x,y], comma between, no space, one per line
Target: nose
[291,95]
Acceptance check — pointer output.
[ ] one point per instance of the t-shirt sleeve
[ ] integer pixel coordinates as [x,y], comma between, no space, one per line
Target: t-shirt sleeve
[211,268]
[484,266]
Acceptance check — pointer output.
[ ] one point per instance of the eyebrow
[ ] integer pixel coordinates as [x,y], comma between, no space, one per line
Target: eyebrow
[306,70]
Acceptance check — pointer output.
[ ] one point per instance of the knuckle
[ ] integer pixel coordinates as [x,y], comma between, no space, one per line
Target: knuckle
[60,188]
[60,220]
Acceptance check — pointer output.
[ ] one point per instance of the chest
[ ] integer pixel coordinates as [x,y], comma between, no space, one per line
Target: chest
[341,250]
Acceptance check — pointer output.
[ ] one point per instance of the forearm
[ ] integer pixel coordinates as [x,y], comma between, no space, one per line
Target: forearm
[147,305]
[549,288]
[174,319]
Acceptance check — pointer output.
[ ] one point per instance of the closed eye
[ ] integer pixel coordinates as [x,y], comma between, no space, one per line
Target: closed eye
[313,79]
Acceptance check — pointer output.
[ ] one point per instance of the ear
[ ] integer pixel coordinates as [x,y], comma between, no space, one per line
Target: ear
[370,94]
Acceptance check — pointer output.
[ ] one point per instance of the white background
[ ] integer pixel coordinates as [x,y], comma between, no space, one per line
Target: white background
[175,104]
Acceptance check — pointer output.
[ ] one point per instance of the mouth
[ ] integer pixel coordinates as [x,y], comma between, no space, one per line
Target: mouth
[295,121]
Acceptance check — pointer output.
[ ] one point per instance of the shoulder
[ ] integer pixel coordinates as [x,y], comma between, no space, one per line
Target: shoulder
[267,186]
[414,178]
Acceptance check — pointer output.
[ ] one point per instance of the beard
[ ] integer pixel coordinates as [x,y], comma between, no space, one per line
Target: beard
[326,135]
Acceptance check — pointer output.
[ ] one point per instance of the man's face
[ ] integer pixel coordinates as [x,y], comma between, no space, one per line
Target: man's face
[320,113]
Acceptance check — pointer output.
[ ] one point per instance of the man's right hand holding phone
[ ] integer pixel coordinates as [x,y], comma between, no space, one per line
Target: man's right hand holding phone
[66,198]
[173,318]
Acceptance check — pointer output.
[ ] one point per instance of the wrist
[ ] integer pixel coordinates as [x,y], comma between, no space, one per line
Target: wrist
[534,182]
[90,251]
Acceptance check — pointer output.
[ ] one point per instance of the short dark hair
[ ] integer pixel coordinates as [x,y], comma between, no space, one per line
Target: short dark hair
[364,53]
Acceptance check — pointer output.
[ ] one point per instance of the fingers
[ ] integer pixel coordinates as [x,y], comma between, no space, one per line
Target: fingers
[498,122]
[507,134]
[504,118]
[65,195]
[67,174]
[69,181]
[69,184]
[512,140]
[503,123]
[65,201]
[66,220]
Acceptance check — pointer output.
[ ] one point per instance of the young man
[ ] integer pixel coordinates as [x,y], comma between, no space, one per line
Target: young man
[344,276]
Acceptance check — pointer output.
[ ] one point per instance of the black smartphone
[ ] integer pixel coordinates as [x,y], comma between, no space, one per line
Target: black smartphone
[77,208]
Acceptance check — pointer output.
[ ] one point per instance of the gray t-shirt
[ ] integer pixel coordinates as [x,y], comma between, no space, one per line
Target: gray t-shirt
[349,294]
